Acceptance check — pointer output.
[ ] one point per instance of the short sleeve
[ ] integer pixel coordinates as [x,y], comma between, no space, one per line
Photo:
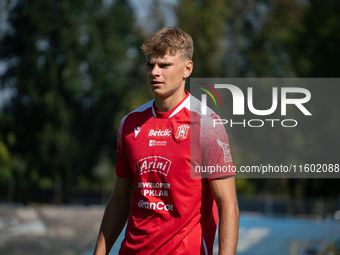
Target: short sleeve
[216,154]
[123,168]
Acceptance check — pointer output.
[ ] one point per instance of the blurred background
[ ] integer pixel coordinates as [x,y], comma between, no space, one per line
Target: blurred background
[70,70]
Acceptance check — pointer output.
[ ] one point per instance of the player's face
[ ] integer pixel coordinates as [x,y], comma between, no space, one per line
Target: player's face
[166,73]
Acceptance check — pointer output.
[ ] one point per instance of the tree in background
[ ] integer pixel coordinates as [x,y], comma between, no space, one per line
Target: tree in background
[268,39]
[314,44]
[72,64]
[314,53]
[262,28]
[205,21]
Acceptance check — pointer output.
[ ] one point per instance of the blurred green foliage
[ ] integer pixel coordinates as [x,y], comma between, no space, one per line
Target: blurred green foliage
[75,63]
[75,69]
[281,38]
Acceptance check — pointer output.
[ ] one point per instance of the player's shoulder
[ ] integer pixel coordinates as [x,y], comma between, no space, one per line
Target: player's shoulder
[196,108]
[143,108]
[138,113]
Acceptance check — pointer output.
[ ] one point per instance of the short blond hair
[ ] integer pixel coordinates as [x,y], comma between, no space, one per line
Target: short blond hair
[172,40]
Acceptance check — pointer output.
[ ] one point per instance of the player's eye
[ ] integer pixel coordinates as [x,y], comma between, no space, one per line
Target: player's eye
[164,65]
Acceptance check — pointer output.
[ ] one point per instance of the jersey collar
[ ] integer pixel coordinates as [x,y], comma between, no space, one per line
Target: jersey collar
[165,115]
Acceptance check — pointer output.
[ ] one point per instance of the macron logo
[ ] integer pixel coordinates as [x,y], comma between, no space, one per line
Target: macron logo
[137,130]
[160,132]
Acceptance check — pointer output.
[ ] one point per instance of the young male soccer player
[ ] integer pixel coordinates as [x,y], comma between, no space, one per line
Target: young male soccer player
[167,211]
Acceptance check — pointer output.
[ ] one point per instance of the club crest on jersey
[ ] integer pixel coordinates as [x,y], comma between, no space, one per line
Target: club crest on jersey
[226,151]
[154,164]
[182,132]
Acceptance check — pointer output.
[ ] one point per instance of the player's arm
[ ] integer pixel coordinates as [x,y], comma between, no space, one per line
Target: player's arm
[225,195]
[115,215]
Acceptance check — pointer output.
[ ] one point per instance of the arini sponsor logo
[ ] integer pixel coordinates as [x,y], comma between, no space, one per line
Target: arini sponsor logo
[154,164]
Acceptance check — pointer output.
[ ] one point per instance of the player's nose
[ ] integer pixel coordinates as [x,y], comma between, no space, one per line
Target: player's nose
[155,70]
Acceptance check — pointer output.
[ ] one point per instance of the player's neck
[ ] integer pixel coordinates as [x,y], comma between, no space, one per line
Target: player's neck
[167,103]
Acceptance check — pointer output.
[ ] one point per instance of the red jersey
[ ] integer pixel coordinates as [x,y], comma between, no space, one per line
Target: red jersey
[171,212]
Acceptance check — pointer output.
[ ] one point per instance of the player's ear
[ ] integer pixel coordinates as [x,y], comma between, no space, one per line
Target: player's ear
[188,67]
